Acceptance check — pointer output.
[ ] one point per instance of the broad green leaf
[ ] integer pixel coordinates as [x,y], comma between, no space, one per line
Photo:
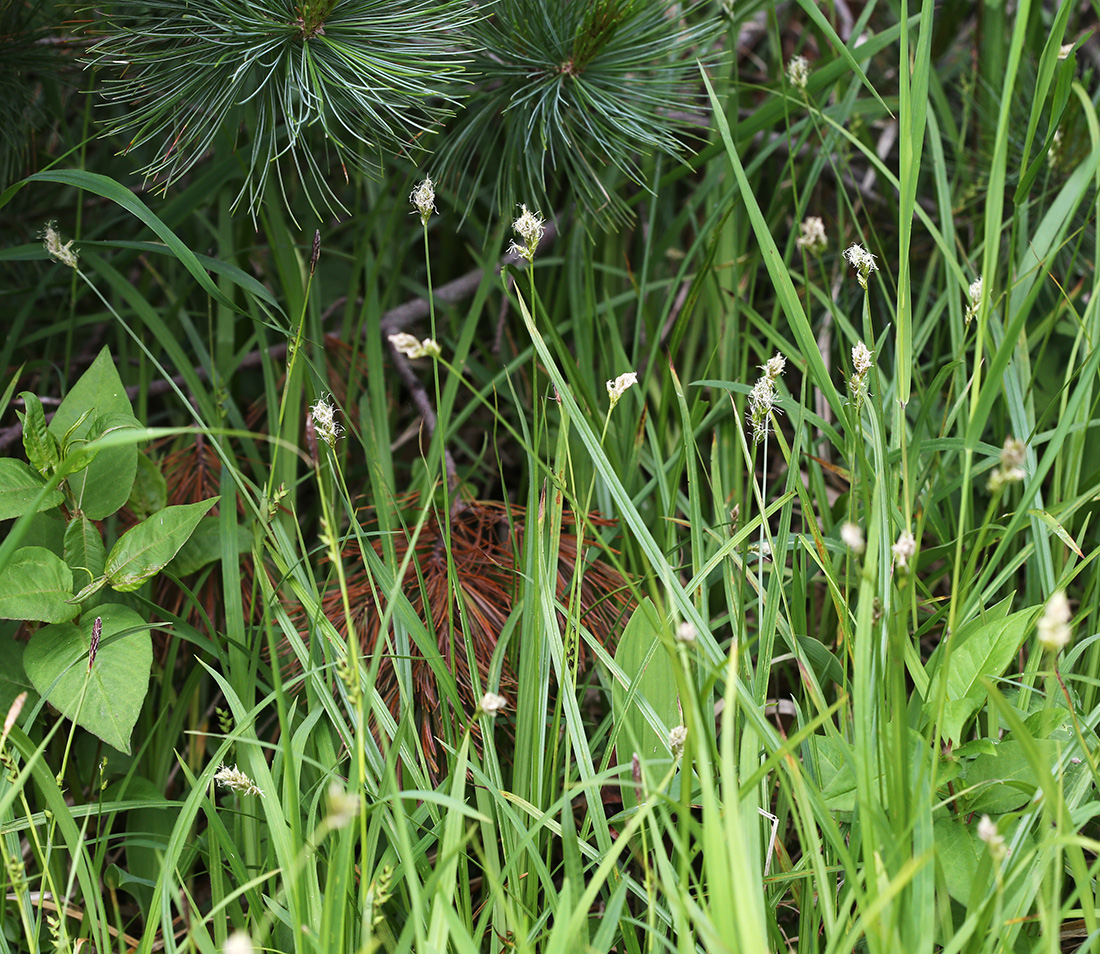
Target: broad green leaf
[36,585]
[959,851]
[42,448]
[13,679]
[144,550]
[204,547]
[985,652]
[104,486]
[644,659]
[19,485]
[56,660]
[150,491]
[84,550]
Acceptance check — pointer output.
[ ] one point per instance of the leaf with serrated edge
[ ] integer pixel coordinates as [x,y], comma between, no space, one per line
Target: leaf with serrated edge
[56,661]
[144,550]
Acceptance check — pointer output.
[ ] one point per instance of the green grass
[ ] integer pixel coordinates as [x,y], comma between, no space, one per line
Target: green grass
[330,643]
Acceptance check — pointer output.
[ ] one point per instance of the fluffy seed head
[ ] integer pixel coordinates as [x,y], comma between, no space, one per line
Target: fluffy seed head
[685,633]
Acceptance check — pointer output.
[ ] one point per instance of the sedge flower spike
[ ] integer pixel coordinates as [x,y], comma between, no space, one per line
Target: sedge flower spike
[617,388]
[904,550]
[491,703]
[763,396]
[324,419]
[862,362]
[1053,625]
[1011,469]
[862,261]
[63,253]
[852,537]
[423,200]
[974,299]
[235,779]
[677,736]
[811,236]
[798,71]
[530,229]
[410,347]
[987,832]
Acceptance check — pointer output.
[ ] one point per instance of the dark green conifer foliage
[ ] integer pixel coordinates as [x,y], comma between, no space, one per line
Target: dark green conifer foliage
[367,77]
[566,89]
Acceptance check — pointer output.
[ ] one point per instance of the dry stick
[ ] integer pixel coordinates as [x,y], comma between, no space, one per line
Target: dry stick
[392,321]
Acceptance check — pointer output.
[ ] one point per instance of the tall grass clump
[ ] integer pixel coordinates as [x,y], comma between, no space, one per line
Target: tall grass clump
[651,509]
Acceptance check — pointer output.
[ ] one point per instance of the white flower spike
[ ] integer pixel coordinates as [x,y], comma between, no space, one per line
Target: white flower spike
[862,261]
[617,388]
[530,229]
[423,199]
[324,420]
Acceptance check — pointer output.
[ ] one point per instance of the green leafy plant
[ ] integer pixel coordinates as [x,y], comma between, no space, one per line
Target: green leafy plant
[77,476]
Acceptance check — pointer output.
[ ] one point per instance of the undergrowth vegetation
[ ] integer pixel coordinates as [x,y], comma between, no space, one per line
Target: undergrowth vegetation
[594,476]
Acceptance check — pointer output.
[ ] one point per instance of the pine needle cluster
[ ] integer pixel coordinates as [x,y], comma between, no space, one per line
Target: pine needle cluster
[370,76]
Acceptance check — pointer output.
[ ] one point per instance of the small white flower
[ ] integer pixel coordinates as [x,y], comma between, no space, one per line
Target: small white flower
[423,198]
[238,943]
[1011,470]
[974,297]
[491,703]
[798,71]
[775,367]
[1064,50]
[343,807]
[904,550]
[861,358]
[617,388]
[65,254]
[1053,626]
[763,396]
[852,536]
[812,236]
[530,228]
[987,832]
[685,633]
[324,419]
[1014,453]
[862,261]
[411,347]
[235,779]
[676,739]
[1054,153]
